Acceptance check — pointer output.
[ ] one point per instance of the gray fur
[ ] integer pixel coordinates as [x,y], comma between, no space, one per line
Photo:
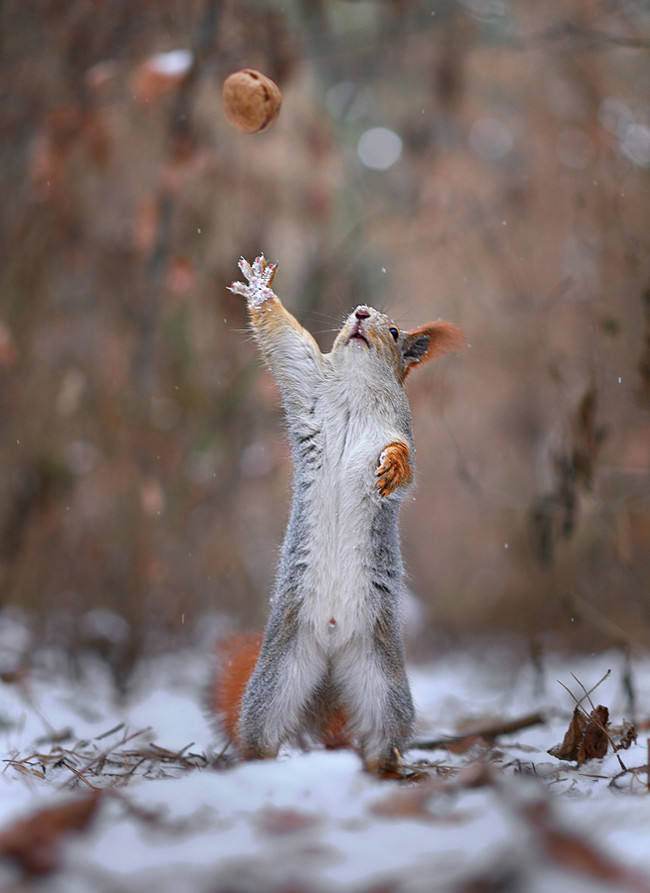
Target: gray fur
[334,630]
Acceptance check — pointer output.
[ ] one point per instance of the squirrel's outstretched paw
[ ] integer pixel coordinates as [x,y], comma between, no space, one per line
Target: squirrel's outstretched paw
[394,468]
[259,276]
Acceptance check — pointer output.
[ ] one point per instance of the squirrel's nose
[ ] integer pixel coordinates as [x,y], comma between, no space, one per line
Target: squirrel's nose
[361,313]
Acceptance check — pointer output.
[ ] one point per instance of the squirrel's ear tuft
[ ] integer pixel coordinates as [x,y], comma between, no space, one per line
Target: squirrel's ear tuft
[430,342]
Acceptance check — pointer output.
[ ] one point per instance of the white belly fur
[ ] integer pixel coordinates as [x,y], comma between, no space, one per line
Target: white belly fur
[337,578]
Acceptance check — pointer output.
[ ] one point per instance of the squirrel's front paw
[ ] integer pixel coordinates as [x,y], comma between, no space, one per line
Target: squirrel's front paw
[394,468]
[259,276]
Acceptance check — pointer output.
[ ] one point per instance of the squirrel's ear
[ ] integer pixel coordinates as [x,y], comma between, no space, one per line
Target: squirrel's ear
[430,342]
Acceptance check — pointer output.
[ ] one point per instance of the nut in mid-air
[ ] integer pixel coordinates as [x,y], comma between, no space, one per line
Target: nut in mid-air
[251,100]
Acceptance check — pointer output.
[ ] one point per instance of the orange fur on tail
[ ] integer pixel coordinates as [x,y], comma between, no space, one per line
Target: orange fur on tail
[333,731]
[237,656]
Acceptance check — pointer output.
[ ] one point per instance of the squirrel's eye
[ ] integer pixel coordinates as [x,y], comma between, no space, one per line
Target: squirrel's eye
[394,332]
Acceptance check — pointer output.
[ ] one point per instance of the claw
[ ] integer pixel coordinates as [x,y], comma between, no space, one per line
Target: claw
[245,267]
[259,265]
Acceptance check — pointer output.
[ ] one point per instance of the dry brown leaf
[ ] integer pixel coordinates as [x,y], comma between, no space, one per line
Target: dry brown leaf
[36,842]
[410,803]
[594,741]
[574,853]
[586,737]
[568,749]
[286,821]
[478,774]
[413,802]
[625,735]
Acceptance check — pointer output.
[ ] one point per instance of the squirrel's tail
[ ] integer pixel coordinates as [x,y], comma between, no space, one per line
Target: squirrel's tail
[236,659]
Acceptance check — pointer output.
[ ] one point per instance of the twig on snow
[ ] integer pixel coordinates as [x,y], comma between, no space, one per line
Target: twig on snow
[488,732]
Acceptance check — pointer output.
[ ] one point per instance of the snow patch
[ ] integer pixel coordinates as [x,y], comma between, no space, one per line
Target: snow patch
[316,820]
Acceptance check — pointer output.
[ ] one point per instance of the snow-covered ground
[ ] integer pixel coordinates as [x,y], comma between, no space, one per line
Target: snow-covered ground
[480,817]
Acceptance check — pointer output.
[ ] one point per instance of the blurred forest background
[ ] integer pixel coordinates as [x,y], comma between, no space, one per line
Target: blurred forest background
[484,161]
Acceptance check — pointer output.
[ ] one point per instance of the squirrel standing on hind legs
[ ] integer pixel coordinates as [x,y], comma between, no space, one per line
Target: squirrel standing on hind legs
[330,665]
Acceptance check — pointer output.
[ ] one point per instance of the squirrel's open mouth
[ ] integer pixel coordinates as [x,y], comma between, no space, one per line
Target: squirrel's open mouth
[357,335]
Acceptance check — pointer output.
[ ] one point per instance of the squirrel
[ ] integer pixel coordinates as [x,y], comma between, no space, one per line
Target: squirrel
[330,665]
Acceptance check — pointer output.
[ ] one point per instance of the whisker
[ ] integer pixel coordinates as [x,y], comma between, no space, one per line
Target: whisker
[320,313]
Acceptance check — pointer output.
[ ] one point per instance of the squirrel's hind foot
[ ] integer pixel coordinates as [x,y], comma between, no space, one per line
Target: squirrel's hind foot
[385,765]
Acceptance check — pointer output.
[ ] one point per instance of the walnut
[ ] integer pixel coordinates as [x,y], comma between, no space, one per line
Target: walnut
[251,100]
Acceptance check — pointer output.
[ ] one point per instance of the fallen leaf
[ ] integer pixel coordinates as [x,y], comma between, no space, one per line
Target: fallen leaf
[409,803]
[573,853]
[568,749]
[594,741]
[286,821]
[475,775]
[413,802]
[36,842]
[625,735]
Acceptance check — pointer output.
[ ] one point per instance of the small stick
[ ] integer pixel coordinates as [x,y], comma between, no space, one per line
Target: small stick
[592,689]
[586,693]
[110,732]
[488,732]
